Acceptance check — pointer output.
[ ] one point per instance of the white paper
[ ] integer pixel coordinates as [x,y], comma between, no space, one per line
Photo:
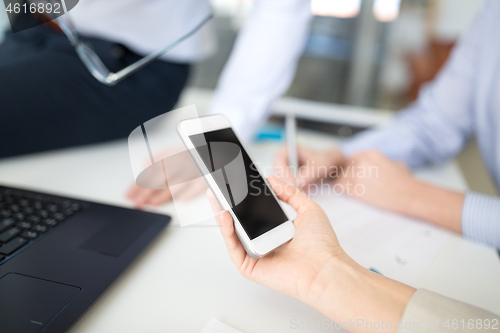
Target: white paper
[215,326]
[393,245]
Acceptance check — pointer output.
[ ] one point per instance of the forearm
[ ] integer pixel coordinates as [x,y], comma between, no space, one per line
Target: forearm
[474,215]
[433,204]
[439,124]
[349,293]
[392,187]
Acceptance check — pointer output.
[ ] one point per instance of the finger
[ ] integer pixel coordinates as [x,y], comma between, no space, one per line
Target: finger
[160,197]
[197,187]
[142,196]
[133,191]
[309,172]
[368,157]
[303,154]
[289,194]
[224,220]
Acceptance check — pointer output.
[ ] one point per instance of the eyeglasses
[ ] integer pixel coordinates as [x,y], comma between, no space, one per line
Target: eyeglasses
[94,64]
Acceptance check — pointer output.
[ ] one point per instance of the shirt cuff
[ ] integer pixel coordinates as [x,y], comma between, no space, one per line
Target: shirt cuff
[430,312]
[481,218]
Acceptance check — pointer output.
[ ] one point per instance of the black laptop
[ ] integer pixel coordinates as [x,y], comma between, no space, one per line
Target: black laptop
[58,255]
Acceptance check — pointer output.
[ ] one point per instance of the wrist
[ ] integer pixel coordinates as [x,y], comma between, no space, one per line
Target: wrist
[337,272]
[347,292]
[436,205]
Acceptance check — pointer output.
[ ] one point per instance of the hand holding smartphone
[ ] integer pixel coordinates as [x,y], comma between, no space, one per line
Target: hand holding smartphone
[259,219]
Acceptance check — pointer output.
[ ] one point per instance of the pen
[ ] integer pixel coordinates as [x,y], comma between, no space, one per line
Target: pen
[291,140]
[375,271]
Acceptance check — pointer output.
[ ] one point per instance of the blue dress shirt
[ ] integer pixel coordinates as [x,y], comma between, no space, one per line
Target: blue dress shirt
[464,99]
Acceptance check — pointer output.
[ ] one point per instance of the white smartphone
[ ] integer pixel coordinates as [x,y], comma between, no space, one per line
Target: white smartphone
[260,221]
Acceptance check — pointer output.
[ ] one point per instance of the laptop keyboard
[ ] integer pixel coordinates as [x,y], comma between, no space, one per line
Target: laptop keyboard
[26,216]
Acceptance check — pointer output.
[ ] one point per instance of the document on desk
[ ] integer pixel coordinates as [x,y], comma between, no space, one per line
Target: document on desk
[215,326]
[393,245]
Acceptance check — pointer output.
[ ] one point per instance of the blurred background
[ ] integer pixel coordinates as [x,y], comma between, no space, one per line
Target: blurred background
[373,53]
[369,53]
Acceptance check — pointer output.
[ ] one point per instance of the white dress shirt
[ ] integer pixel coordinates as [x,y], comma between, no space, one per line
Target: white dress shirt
[145,26]
[260,68]
[262,64]
[462,101]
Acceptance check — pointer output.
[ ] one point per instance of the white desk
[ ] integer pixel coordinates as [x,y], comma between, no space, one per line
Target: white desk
[185,278]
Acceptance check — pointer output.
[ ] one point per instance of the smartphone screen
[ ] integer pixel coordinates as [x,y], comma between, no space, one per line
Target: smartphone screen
[259,211]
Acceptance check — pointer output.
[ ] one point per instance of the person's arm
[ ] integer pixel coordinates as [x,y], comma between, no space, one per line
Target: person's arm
[259,70]
[439,124]
[390,185]
[262,64]
[314,268]
[436,128]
